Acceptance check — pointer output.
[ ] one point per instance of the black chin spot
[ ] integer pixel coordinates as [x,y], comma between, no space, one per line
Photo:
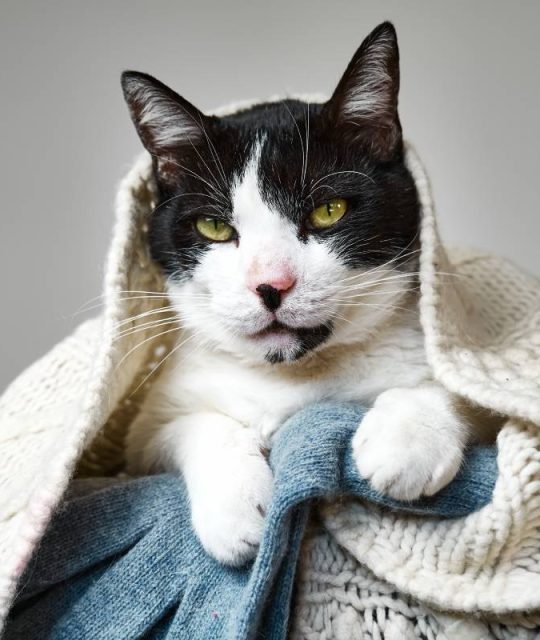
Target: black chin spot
[275,357]
[312,338]
[309,339]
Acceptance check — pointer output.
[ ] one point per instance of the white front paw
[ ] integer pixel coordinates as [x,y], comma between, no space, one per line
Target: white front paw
[410,443]
[229,506]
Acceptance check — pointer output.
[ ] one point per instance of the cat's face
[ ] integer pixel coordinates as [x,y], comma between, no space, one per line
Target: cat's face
[287,226]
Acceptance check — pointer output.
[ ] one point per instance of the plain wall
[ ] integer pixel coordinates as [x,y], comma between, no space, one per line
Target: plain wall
[470,101]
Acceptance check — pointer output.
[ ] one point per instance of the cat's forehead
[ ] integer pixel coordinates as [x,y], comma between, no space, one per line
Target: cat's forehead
[289,144]
[278,151]
[280,134]
[253,208]
[283,116]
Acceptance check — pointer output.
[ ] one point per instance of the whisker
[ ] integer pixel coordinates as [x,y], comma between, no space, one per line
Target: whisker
[368,294]
[215,154]
[199,122]
[307,147]
[301,141]
[144,314]
[385,277]
[140,344]
[162,361]
[121,291]
[337,173]
[146,326]
[218,187]
[125,299]
[334,314]
[218,194]
[378,281]
[181,195]
[198,346]
[322,186]
[378,306]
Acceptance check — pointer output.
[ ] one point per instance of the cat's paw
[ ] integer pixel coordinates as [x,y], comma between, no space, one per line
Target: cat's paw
[410,443]
[229,507]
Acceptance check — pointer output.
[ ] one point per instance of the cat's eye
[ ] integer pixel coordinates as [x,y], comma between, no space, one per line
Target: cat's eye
[328,214]
[214,229]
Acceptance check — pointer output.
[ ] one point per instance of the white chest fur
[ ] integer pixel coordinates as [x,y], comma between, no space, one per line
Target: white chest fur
[212,414]
[261,396]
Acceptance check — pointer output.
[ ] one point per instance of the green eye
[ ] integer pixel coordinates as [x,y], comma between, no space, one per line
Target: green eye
[214,229]
[328,214]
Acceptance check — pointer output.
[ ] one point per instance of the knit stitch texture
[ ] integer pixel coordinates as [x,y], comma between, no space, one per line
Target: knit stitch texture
[70,411]
[123,562]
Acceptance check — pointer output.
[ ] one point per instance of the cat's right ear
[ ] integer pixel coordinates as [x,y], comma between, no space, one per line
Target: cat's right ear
[163,119]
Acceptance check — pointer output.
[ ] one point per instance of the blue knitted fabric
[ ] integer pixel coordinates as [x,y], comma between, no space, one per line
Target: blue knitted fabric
[120,560]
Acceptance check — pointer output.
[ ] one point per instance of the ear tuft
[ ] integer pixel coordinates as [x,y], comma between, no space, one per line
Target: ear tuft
[366,97]
[163,119]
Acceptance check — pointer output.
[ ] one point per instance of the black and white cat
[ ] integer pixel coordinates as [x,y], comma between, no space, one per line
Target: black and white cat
[288,233]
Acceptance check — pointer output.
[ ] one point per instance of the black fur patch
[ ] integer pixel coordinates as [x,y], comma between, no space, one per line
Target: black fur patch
[383,214]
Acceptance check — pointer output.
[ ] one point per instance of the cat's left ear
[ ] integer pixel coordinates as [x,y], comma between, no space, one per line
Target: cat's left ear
[366,99]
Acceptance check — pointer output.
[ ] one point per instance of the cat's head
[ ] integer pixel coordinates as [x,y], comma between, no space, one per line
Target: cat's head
[286,226]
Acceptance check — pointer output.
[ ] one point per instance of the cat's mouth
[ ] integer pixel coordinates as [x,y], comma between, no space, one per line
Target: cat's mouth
[275,328]
[291,343]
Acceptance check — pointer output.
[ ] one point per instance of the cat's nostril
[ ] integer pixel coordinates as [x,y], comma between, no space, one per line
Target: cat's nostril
[270,296]
[282,282]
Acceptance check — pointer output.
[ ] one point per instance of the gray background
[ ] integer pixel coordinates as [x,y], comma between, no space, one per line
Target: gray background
[470,100]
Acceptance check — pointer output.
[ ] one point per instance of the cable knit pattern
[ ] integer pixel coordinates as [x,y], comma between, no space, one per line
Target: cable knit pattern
[366,572]
[339,598]
[481,321]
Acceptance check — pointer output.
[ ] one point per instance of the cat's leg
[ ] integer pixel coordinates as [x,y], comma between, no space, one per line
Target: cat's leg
[411,442]
[228,479]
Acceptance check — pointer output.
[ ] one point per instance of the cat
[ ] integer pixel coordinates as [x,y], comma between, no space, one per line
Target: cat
[288,233]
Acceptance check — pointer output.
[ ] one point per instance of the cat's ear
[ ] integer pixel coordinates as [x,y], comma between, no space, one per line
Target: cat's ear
[366,98]
[163,119]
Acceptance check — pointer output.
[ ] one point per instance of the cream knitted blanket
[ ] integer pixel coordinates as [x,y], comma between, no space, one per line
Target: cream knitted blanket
[365,573]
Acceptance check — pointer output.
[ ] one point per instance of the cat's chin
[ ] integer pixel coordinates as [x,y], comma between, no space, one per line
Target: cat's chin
[277,339]
[281,343]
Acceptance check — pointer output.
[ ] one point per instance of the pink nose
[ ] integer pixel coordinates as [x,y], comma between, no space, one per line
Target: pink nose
[271,286]
[281,282]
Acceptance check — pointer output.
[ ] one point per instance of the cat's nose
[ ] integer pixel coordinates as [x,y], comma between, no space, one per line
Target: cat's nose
[271,293]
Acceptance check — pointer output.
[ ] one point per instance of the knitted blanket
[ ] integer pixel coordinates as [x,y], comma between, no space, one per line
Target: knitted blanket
[366,569]
[121,562]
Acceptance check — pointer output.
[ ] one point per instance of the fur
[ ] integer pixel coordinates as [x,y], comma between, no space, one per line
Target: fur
[283,313]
